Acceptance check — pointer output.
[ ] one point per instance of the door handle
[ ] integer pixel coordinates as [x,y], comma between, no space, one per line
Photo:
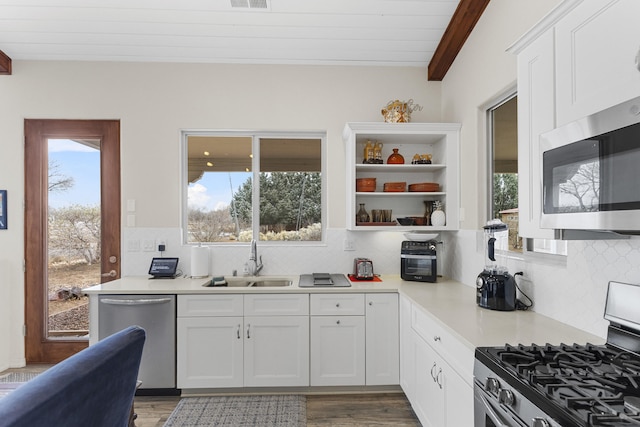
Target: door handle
[112,273]
[141,301]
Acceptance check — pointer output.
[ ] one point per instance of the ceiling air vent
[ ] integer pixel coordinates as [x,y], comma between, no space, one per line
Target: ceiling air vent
[250,4]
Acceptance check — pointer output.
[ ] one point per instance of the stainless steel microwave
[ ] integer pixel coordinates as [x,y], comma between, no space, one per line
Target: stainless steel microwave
[591,172]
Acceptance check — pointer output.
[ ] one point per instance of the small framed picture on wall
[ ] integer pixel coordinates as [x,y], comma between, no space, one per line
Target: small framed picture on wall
[3,209]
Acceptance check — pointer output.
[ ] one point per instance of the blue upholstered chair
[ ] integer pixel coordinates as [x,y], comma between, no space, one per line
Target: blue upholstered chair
[94,387]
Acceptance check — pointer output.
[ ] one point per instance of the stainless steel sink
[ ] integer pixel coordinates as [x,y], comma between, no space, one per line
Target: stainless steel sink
[255,282]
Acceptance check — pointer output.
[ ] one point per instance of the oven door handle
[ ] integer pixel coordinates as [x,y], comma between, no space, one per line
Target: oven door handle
[495,418]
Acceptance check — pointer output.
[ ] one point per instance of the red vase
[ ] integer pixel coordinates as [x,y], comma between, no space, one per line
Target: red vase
[396,158]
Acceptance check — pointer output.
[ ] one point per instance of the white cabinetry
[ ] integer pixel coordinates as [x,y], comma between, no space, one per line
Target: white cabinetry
[276,349]
[382,339]
[337,339]
[536,115]
[437,371]
[441,140]
[235,340]
[345,327]
[209,341]
[597,63]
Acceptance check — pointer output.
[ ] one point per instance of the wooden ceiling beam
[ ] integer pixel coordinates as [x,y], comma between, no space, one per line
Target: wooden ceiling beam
[462,22]
[5,63]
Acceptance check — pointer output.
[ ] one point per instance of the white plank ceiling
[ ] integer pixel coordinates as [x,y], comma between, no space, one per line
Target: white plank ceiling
[338,32]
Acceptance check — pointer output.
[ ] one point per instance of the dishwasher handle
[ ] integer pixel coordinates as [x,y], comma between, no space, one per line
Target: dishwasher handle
[141,301]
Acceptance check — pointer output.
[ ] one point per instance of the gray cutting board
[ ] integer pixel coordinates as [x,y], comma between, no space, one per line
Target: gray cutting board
[339,281]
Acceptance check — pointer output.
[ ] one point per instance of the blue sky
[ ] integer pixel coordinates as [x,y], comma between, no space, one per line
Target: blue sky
[213,190]
[82,163]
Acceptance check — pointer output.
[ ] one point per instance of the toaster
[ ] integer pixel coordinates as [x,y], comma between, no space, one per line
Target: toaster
[363,269]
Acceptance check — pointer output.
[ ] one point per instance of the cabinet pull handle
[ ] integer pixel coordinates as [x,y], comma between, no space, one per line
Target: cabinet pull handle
[433,368]
[248,327]
[439,378]
[436,338]
[238,331]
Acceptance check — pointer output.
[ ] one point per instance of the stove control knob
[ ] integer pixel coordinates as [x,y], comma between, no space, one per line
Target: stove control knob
[506,397]
[492,385]
[540,422]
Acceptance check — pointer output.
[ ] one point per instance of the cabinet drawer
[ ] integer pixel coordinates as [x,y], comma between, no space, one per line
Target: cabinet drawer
[459,356]
[276,305]
[209,305]
[337,304]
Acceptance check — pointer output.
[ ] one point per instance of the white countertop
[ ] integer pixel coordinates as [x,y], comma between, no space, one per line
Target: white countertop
[451,303]
[454,305]
[144,285]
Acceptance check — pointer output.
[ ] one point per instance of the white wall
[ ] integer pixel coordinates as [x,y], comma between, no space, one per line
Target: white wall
[570,289]
[155,101]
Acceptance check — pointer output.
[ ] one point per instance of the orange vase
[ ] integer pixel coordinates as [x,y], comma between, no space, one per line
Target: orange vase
[396,158]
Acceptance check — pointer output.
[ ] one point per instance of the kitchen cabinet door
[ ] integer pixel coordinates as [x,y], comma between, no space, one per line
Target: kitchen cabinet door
[337,350]
[276,351]
[536,115]
[382,339]
[428,402]
[209,352]
[407,356]
[458,396]
[597,64]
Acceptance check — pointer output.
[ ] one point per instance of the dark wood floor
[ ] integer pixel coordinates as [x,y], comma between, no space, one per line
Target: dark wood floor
[335,410]
[344,410]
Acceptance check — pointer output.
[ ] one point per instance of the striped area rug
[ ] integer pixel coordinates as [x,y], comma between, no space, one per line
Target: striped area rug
[240,411]
[18,377]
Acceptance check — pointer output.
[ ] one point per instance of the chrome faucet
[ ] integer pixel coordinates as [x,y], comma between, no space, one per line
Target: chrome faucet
[254,265]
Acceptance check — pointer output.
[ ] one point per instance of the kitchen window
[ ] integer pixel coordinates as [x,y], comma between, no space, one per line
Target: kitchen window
[221,204]
[503,173]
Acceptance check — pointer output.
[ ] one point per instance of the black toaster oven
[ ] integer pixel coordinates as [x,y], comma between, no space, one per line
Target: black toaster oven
[418,261]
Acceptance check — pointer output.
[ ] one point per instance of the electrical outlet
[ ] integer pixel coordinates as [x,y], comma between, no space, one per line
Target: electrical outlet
[163,243]
[349,245]
[149,245]
[133,245]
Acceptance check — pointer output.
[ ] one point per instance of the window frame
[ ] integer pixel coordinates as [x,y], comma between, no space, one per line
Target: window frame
[528,244]
[256,136]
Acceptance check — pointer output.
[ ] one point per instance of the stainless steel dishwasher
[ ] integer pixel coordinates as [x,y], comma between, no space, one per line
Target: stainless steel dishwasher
[157,315]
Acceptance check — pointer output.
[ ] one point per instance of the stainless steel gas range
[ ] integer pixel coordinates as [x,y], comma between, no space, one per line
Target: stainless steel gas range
[566,385]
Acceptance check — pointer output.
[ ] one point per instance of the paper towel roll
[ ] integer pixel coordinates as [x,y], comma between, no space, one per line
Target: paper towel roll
[199,261]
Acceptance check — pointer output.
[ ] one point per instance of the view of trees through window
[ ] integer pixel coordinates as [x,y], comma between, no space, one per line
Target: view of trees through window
[504,132]
[220,202]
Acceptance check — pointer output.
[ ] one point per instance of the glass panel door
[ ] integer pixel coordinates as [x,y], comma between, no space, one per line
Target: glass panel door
[73,234]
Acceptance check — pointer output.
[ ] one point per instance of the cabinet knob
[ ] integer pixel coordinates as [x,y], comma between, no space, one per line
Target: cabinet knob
[337,322]
[436,338]
[370,302]
[338,304]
